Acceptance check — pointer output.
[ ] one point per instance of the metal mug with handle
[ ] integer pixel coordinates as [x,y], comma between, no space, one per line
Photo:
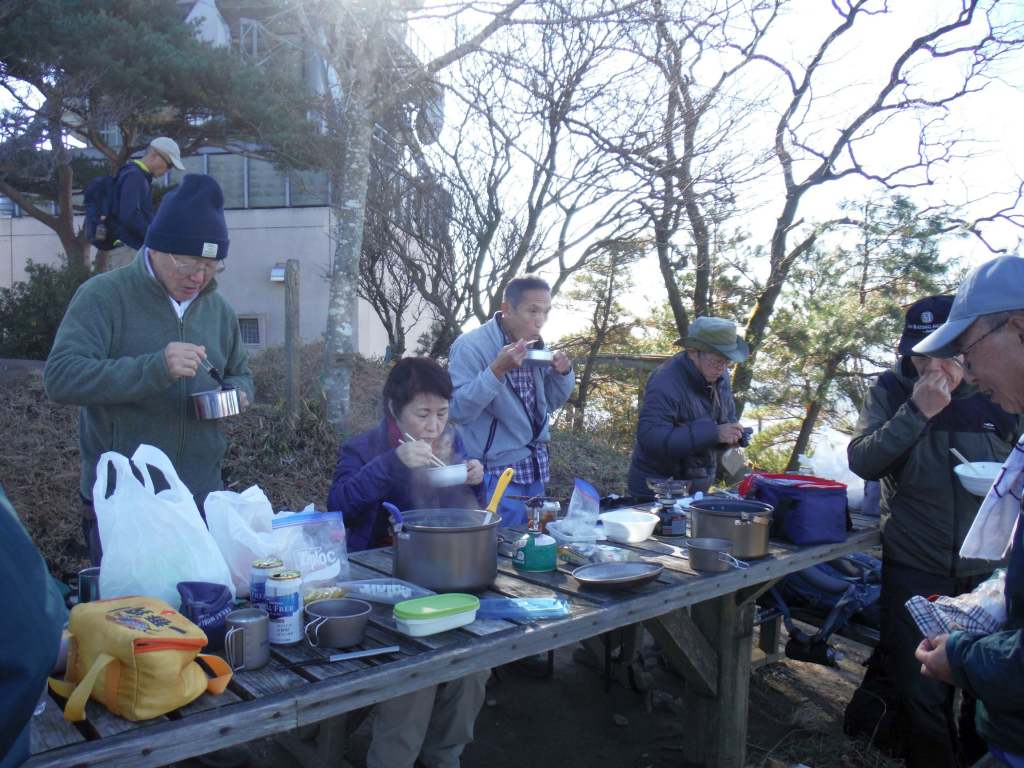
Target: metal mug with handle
[247,642]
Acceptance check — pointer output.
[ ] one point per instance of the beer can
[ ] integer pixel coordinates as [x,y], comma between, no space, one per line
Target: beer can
[284,604]
[258,580]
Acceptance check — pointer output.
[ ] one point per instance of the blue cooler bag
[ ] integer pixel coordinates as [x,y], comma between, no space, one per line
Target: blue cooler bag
[808,510]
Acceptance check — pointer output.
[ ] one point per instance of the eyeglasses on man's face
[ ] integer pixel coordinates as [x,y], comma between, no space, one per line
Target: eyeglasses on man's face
[962,360]
[720,363]
[195,269]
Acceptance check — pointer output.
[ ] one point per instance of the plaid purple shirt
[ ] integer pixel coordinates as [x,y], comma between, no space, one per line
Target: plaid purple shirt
[526,470]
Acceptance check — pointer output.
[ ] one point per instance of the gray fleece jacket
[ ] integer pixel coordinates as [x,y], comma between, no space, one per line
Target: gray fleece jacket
[495,426]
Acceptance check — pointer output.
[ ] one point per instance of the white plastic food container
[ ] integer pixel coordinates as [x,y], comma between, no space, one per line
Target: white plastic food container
[437,613]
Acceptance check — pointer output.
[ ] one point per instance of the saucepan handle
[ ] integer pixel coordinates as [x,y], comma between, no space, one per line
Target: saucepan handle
[315,624]
[739,564]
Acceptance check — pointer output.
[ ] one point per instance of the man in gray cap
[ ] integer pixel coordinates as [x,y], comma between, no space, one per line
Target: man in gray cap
[984,334]
[911,417]
[134,209]
[688,412]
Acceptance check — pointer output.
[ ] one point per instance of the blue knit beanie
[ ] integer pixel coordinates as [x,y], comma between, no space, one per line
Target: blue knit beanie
[190,220]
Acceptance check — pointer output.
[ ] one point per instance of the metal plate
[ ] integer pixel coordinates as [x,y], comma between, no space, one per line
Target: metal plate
[617,575]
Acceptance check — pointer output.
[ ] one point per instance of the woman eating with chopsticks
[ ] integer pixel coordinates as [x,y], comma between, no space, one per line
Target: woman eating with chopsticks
[390,462]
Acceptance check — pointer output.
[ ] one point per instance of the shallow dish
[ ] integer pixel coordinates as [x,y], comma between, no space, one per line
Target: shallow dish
[539,357]
[453,474]
[629,526]
[617,575]
[978,485]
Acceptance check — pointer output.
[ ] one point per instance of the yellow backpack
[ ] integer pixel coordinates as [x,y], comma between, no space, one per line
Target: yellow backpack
[136,656]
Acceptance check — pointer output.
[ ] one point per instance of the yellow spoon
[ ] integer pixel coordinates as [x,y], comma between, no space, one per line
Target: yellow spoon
[499,491]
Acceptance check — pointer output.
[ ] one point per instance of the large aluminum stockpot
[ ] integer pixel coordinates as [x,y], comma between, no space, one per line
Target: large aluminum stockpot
[745,523]
[447,550]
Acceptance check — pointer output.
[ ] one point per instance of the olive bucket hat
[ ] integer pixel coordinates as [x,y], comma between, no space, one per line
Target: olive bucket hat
[718,335]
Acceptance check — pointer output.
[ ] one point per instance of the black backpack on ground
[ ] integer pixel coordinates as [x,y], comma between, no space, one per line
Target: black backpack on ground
[102,227]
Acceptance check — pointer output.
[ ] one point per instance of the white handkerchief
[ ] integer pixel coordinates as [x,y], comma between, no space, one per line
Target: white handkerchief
[992,530]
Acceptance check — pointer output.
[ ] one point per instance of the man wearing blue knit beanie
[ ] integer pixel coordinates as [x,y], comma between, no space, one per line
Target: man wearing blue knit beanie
[130,348]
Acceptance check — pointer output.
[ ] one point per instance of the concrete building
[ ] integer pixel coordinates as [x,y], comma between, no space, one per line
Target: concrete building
[272,215]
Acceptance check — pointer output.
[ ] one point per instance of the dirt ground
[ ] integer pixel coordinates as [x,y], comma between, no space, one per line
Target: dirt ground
[796,712]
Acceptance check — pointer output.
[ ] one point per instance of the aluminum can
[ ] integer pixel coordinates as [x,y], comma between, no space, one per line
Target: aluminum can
[284,604]
[258,580]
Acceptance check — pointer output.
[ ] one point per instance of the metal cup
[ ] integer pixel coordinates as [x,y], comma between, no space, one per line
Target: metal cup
[88,585]
[247,642]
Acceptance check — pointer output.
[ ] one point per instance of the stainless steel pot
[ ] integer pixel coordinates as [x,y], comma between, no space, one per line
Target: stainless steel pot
[217,403]
[447,550]
[745,523]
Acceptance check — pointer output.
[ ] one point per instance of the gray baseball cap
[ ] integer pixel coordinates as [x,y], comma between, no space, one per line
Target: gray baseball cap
[169,149]
[995,286]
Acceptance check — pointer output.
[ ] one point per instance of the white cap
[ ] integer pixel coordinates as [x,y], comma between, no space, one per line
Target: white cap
[169,149]
[995,286]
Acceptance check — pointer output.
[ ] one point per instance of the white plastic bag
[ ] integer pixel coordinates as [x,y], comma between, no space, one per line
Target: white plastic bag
[151,541]
[242,525]
[830,462]
[584,508]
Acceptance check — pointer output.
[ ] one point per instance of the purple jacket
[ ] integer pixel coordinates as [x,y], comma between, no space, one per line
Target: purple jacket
[369,473]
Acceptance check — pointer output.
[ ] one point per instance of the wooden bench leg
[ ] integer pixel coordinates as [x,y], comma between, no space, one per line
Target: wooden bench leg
[768,643]
[717,726]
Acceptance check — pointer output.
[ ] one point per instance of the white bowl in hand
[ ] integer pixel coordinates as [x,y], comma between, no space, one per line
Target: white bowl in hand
[628,526]
[979,486]
[453,474]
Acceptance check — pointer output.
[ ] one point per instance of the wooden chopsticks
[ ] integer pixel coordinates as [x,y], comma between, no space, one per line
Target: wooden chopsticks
[436,461]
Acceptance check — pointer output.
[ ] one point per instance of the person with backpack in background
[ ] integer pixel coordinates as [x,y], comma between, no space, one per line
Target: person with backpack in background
[912,416]
[132,205]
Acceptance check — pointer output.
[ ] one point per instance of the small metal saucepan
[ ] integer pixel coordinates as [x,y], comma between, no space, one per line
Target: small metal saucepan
[337,622]
[217,403]
[712,555]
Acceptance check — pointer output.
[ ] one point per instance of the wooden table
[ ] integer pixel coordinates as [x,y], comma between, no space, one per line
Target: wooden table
[704,622]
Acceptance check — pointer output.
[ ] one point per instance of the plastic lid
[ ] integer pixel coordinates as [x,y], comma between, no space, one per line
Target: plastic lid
[436,606]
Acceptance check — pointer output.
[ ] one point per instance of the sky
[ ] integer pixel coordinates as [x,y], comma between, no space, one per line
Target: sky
[990,119]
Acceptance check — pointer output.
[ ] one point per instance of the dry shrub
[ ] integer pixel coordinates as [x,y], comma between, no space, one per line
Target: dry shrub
[40,468]
[294,467]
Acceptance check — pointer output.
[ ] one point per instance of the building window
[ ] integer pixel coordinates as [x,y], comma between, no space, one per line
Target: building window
[250,328]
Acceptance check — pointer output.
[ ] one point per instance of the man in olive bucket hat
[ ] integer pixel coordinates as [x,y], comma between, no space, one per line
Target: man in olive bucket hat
[688,412]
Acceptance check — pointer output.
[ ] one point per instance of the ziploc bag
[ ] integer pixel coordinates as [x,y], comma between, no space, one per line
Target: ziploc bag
[386,591]
[313,543]
[522,608]
[584,508]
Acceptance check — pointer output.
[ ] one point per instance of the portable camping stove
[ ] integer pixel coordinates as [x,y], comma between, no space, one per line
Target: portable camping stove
[671,519]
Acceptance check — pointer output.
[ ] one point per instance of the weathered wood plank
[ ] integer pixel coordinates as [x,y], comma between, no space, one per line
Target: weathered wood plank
[51,731]
[204,703]
[106,724]
[167,741]
[687,650]
[265,681]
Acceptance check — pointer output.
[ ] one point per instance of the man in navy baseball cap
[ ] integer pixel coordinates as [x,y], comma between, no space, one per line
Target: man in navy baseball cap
[984,335]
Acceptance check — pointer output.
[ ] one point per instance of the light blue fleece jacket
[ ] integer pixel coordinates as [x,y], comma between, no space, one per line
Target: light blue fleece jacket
[481,402]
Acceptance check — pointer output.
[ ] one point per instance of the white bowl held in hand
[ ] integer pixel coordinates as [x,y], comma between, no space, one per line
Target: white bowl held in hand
[453,474]
[628,526]
[979,486]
